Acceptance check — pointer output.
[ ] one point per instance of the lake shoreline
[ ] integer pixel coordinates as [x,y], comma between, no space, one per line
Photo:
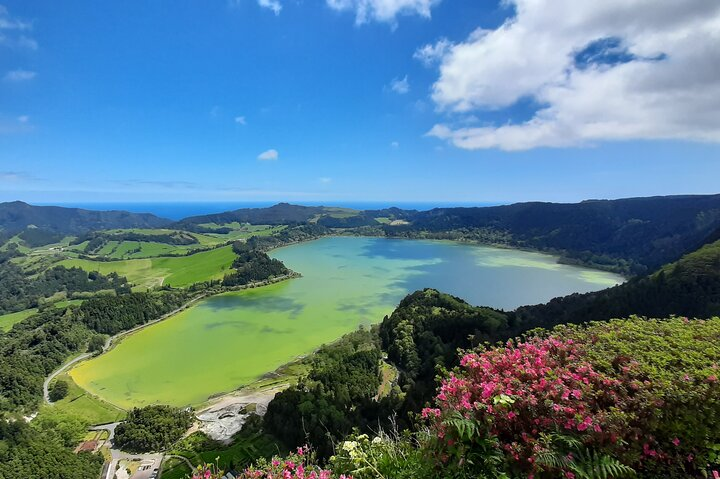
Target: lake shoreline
[306,257]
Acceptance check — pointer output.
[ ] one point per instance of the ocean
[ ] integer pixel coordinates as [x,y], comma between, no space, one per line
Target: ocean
[180,210]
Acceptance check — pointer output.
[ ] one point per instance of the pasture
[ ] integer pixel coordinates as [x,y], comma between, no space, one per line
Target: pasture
[172,271]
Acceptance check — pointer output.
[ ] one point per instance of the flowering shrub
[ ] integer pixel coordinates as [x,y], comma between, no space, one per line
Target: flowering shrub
[400,456]
[295,466]
[618,394]
[522,391]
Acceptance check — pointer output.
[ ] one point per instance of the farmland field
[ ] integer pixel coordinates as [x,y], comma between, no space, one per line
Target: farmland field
[8,320]
[174,271]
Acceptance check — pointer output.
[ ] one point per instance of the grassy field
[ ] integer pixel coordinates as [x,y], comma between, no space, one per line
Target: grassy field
[179,271]
[81,405]
[246,449]
[173,468]
[8,320]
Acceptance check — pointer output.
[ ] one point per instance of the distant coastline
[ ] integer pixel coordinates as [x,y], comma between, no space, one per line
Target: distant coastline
[179,210]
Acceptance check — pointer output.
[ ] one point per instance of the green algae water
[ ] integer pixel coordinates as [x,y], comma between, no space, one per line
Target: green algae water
[230,340]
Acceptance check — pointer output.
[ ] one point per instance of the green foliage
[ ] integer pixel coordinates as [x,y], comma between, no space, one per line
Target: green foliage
[112,314]
[689,287]
[96,343]
[31,351]
[19,291]
[58,390]
[336,396]
[425,331]
[635,234]
[152,428]
[252,266]
[41,451]
[15,216]
[564,453]
[391,456]
[674,367]
[35,237]
[39,344]
[247,446]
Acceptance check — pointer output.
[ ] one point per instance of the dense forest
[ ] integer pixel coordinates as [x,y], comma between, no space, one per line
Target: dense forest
[35,237]
[16,216]
[152,428]
[19,291]
[111,315]
[335,397]
[689,287]
[29,451]
[252,266]
[638,234]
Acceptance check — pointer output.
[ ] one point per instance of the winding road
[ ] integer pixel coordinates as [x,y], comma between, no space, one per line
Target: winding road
[108,343]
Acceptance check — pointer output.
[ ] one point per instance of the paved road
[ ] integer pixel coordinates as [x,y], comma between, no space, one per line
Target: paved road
[46,384]
[118,455]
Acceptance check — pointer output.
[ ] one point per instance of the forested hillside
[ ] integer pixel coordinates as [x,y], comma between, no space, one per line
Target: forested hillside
[279,214]
[646,232]
[689,287]
[18,291]
[16,216]
[632,236]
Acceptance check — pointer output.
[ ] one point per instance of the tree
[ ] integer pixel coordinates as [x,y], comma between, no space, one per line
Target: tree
[58,390]
[96,343]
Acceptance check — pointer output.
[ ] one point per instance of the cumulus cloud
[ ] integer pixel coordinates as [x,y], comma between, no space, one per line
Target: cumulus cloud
[240,120]
[400,85]
[19,75]
[273,5]
[611,70]
[269,155]
[383,10]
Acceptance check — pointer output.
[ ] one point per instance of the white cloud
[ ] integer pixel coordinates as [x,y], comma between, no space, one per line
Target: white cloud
[652,72]
[433,52]
[7,22]
[269,155]
[325,179]
[19,75]
[383,10]
[400,85]
[12,31]
[273,5]
[23,118]
[240,120]
[395,145]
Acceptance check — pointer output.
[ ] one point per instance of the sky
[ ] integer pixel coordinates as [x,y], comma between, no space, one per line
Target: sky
[358,100]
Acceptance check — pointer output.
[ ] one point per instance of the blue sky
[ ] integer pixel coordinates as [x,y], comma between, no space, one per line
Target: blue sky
[355,100]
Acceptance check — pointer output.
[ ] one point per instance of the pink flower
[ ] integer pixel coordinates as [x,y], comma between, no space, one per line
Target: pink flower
[676,442]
